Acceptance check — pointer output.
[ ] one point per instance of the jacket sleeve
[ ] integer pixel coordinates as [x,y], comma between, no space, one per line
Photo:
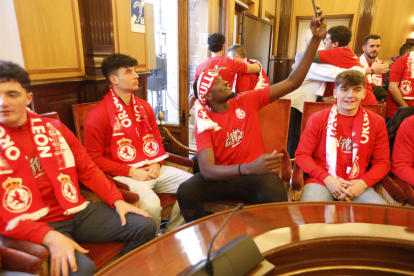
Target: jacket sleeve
[403,153]
[308,145]
[88,172]
[29,230]
[380,157]
[96,129]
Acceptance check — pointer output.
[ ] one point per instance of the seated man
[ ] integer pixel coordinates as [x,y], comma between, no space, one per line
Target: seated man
[122,138]
[401,84]
[338,144]
[246,82]
[41,162]
[403,153]
[231,153]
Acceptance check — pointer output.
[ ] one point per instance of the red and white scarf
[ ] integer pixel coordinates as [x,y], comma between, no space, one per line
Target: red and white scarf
[204,84]
[406,84]
[373,79]
[262,80]
[360,148]
[19,191]
[125,136]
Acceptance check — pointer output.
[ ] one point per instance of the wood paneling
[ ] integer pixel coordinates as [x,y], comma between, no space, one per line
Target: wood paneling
[366,16]
[284,27]
[50,37]
[394,22]
[126,41]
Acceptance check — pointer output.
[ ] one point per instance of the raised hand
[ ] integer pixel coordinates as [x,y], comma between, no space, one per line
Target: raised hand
[380,68]
[318,31]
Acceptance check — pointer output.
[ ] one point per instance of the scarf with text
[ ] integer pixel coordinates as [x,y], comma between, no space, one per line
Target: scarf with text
[406,84]
[373,79]
[360,147]
[22,199]
[204,84]
[126,138]
[262,80]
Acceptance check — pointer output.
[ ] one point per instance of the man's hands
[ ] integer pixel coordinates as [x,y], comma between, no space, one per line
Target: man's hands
[141,174]
[62,253]
[123,208]
[337,187]
[153,169]
[380,68]
[318,31]
[345,190]
[265,163]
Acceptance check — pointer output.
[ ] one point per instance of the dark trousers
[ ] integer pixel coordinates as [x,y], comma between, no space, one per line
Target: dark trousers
[100,223]
[295,124]
[253,188]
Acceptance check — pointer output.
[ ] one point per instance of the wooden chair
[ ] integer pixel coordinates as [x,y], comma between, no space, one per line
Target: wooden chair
[274,126]
[25,256]
[387,188]
[167,200]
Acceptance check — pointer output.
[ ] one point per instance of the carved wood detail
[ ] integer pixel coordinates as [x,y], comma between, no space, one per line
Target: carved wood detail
[366,17]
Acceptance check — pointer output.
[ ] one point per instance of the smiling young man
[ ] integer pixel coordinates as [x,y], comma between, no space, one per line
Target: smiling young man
[231,154]
[122,138]
[338,53]
[41,162]
[340,142]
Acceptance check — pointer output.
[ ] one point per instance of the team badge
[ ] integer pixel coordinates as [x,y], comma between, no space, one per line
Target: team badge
[355,169]
[68,189]
[406,87]
[202,115]
[18,198]
[126,151]
[150,145]
[240,113]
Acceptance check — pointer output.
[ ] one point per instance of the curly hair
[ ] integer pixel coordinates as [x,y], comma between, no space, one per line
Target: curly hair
[350,78]
[10,71]
[111,64]
[340,34]
[216,42]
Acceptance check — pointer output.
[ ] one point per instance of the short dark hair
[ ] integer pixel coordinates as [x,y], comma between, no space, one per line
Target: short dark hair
[195,87]
[372,36]
[340,34]
[216,42]
[238,49]
[111,64]
[406,48]
[10,71]
[350,78]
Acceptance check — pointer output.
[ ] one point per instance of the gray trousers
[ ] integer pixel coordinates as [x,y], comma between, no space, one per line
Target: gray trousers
[100,223]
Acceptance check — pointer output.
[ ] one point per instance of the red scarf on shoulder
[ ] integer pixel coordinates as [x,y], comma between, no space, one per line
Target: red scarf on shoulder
[125,136]
[19,191]
[406,84]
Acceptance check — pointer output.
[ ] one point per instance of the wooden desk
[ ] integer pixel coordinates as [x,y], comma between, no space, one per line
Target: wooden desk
[300,237]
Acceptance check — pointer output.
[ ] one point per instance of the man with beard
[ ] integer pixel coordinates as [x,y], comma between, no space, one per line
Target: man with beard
[371,48]
[232,157]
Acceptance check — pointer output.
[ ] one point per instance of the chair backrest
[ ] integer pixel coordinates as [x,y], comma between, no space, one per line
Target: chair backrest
[79,115]
[311,107]
[50,115]
[274,125]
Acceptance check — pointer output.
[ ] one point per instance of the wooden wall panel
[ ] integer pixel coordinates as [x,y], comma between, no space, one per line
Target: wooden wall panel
[329,7]
[366,16]
[50,37]
[126,41]
[394,22]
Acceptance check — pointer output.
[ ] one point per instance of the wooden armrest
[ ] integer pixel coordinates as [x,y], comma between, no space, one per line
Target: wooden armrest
[14,260]
[297,178]
[130,197]
[119,184]
[286,166]
[28,247]
[183,161]
[402,185]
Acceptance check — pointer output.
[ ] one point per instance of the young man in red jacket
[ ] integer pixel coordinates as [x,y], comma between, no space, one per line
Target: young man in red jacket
[232,157]
[246,82]
[338,53]
[122,138]
[41,162]
[339,143]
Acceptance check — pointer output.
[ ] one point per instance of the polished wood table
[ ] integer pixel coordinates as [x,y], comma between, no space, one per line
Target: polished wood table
[299,238]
